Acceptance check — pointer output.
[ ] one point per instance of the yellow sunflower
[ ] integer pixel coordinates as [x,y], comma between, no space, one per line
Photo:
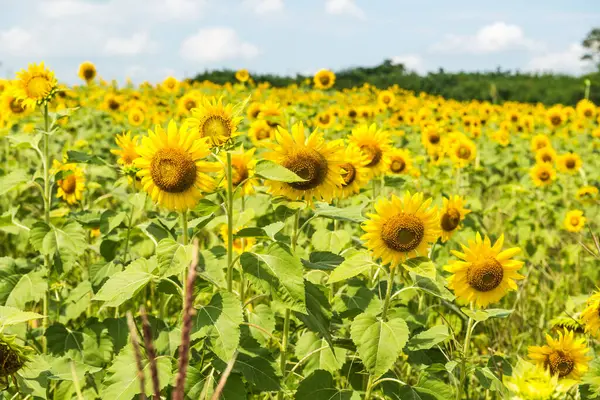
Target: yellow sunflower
[569,163]
[484,273]
[545,155]
[354,171]
[565,356]
[253,110]
[555,117]
[261,132]
[453,212]
[11,107]
[34,86]
[325,120]
[242,173]
[172,168]
[112,102]
[87,71]
[402,228]
[574,221]
[324,79]
[542,174]
[590,316]
[214,121]
[240,245]
[127,151]
[587,193]
[463,153]
[539,142]
[71,186]
[431,138]
[242,75]
[375,144]
[312,158]
[586,109]
[187,103]
[170,84]
[534,382]
[386,98]
[135,117]
[400,161]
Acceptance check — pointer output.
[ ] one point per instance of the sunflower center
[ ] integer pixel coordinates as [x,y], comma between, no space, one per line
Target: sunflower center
[238,174]
[324,80]
[546,158]
[190,104]
[464,152]
[68,184]
[544,176]
[113,104]
[309,165]
[587,113]
[555,120]
[398,166]
[485,275]
[136,117]
[570,163]
[352,113]
[386,99]
[215,127]
[89,74]
[324,119]
[262,134]
[373,152]
[574,221]
[403,232]
[434,138]
[560,363]
[173,170]
[15,106]
[38,87]
[348,174]
[450,219]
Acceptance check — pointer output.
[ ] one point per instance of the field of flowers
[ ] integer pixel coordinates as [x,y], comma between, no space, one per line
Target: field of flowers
[187,240]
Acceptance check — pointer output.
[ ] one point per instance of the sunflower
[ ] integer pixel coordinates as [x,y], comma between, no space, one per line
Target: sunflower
[127,151]
[187,102]
[253,110]
[135,117]
[453,212]
[484,273]
[261,132]
[34,86]
[400,161]
[402,228]
[87,71]
[324,79]
[545,155]
[242,173]
[590,316]
[112,102]
[170,84]
[242,75]
[11,107]
[569,163]
[534,382]
[574,221]
[539,142]
[172,168]
[312,158]
[586,109]
[71,186]
[542,174]
[431,138]
[325,120]
[565,356]
[214,121]
[386,98]
[375,144]
[240,245]
[463,153]
[555,117]
[354,170]
[587,193]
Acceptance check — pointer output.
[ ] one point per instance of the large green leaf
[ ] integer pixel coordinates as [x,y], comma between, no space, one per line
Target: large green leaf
[379,342]
[333,241]
[259,371]
[12,316]
[352,214]
[77,301]
[270,170]
[173,258]
[318,311]
[219,321]
[66,244]
[318,354]
[126,284]
[30,287]
[262,316]
[354,264]
[429,338]
[320,386]
[12,180]
[278,271]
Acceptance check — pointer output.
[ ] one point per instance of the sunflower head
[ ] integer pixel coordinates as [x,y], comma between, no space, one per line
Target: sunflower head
[574,221]
[325,120]
[261,132]
[542,174]
[324,79]
[545,155]
[587,194]
[87,71]
[135,117]
[242,75]
[240,245]
[483,273]
[530,381]
[187,103]
[34,86]
[590,316]
[451,215]
[402,228]
[354,170]
[375,144]
[12,356]
[569,163]
[70,181]
[400,162]
[555,117]
[242,163]
[127,151]
[386,98]
[539,142]
[170,84]
[565,357]
[463,153]
[214,121]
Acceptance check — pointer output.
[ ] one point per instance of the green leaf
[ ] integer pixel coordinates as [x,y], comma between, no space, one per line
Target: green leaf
[124,285]
[60,369]
[483,315]
[12,180]
[201,222]
[395,181]
[12,316]
[326,240]
[25,140]
[489,380]
[30,287]
[173,258]
[320,386]
[352,214]
[262,316]
[122,383]
[77,301]
[268,231]
[258,371]
[67,242]
[100,272]
[80,157]
[326,358]
[354,264]
[211,268]
[219,321]
[433,287]
[278,271]
[318,315]
[429,338]
[379,343]
[270,170]
[416,393]
[421,266]
[322,260]
[109,220]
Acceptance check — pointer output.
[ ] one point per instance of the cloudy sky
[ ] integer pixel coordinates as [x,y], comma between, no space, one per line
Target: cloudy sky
[150,39]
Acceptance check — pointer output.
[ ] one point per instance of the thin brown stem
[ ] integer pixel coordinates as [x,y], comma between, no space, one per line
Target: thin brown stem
[135,342]
[151,351]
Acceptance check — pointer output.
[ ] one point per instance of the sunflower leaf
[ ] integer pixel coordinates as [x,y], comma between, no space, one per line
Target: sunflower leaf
[270,170]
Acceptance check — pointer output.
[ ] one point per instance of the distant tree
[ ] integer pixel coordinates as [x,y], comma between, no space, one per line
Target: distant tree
[592,45]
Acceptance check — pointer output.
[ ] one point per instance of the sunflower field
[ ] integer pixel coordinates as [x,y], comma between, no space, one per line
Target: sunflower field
[190,240]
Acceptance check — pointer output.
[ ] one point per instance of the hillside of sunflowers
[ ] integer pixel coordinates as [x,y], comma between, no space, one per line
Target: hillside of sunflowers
[194,240]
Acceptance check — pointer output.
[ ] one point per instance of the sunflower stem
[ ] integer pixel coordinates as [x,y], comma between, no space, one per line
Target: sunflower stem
[184,239]
[47,203]
[463,370]
[229,224]
[388,292]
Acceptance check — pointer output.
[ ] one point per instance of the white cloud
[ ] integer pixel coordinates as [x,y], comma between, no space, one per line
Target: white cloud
[567,61]
[138,43]
[68,8]
[262,7]
[216,44]
[412,62]
[18,42]
[340,7]
[492,38]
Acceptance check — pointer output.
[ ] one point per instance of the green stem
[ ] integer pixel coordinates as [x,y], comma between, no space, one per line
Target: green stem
[129,225]
[47,203]
[184,239]
[369,388]
[463,370]
[388,293]
[229,224]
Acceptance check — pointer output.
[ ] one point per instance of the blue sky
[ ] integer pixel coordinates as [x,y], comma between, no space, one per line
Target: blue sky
[150,39]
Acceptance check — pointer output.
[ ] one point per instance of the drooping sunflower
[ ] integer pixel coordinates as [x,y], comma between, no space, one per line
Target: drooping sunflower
[34,86]
[574,221]
[569,163]
[135,117]
[324,79]
[261,132]
[590,316]
[354,171]
[214,121]
[565,356]
[386,98]
[463,153]
[170,84]
[172,168]
[453,212]
[545,155]
[402,228]
[71,186]
[400,161]
[314,159]
[375,144]
[242,75]
[242,173]
[484,273]
[127,151]
[542,174]
[539,142]
[87,71]
[587,193]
